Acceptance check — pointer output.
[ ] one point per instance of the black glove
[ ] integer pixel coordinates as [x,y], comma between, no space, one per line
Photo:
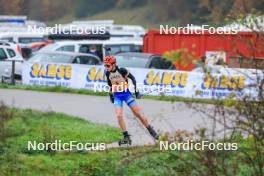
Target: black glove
[138,95]
[111,98]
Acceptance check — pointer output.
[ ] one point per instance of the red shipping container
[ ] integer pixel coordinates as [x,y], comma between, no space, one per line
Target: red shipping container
[247,44]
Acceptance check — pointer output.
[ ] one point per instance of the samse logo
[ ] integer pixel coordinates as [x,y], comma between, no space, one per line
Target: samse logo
[224,82]
[96,74]
[166,78]
[51,71]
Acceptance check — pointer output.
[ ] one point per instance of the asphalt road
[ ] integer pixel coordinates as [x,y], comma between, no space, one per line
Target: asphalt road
[164,116]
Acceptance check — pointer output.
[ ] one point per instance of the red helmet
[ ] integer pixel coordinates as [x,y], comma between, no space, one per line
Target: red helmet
[109,60]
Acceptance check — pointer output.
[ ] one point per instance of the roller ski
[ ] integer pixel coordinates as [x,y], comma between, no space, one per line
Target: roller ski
[125,141]
[152,132]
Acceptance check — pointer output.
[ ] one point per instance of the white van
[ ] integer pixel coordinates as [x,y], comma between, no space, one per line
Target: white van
[22,37]
[8,53]
[115,30]
[84,46]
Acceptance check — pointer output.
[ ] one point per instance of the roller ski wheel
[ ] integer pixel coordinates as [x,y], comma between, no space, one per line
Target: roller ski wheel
[125,141]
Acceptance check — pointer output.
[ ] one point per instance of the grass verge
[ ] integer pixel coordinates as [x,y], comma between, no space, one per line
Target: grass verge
[24,125]
[44,127]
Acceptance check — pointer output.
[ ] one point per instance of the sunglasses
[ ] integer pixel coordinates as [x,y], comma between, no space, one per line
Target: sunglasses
[107,66]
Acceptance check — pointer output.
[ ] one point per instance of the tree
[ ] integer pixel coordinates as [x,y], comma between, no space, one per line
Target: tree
[89,7]
[130,3]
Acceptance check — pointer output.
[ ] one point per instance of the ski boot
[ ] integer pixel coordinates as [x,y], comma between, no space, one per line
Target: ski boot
[153,133]
[125,140]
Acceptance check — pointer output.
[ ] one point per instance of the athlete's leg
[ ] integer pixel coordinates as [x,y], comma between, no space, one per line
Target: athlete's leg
[136,111]
[120,117]
[131,102]
[118,102]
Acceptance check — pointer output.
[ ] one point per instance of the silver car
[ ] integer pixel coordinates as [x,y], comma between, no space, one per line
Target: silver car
[65,57]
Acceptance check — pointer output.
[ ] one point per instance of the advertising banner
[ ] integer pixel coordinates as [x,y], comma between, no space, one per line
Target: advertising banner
[149,81]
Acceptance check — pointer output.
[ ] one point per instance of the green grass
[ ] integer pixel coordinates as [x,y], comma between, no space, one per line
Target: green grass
[28,125]
[146,160]
[226,102]
[134,16]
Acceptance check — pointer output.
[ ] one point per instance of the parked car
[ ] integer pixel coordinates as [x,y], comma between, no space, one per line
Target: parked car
[10,52]
[35,46]
[28,49]
[65,57]
[115,30]
[84,46]
[22,37]
[27,42]
[143,60]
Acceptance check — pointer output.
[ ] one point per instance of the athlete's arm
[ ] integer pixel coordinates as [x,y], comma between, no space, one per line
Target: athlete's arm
[110,88]
[129,75]
[126,74]
[133,79]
